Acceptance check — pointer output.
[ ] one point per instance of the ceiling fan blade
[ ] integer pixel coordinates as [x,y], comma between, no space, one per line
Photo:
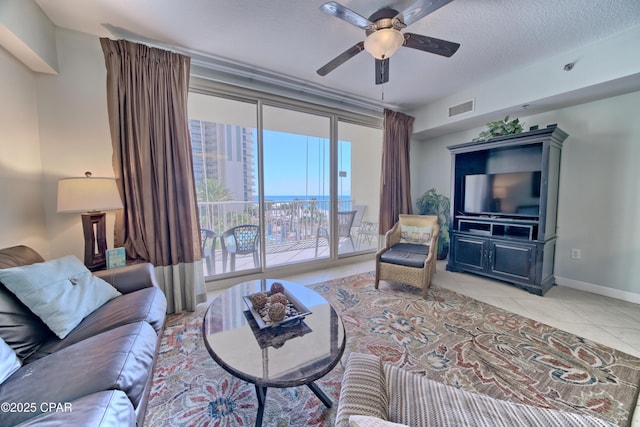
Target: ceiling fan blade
[419,9]
[430,44]
[336,9]
[341,59]
[382,71]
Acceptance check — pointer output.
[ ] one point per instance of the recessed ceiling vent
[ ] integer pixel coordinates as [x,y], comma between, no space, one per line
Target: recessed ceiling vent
[465,107]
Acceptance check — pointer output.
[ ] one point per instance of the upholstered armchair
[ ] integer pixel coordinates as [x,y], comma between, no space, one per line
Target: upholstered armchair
[376,393]
[409,254]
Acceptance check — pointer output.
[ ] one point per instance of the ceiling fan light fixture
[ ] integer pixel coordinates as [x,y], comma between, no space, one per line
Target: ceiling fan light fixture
[383,43]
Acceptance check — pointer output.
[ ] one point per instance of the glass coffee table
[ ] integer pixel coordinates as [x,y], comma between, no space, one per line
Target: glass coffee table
[290,355]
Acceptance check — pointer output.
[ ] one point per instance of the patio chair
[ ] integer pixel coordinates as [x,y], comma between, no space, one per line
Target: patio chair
[366,231]
[240,240]
[357,220]
[345,222]
[409,254]
[208,239]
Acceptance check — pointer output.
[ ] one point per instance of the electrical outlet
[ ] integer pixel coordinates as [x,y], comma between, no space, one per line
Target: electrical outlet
[576,253]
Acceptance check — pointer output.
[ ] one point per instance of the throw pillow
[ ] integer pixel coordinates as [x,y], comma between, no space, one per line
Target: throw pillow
[415,235]
[367,421]
[61,292]
[9,362]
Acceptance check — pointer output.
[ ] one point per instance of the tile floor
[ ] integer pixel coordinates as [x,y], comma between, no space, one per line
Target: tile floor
[605,320]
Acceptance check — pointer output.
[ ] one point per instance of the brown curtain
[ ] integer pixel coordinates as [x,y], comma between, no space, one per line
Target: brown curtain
[395,185]
[147,91]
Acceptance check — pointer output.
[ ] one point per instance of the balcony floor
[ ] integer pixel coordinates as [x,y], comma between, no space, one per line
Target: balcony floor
[284,253]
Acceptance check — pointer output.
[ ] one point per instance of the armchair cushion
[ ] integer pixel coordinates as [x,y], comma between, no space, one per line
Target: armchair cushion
[415,235]
[406,254]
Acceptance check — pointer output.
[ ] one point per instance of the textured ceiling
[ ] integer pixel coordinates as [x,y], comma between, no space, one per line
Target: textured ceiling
[294,38]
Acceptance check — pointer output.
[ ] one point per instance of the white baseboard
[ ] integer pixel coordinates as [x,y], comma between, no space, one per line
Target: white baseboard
[598,289]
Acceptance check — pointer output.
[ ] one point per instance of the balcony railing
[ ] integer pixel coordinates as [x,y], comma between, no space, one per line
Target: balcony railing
[291,231]
[285,221]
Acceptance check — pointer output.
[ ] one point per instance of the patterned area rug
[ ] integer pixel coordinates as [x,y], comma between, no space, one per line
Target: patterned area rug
[449,337]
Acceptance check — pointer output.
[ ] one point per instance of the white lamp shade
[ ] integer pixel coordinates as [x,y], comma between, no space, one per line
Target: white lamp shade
[88,194]
[383,43]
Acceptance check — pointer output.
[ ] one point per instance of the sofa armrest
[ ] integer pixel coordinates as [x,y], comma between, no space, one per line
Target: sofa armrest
[363,390]
[130,278]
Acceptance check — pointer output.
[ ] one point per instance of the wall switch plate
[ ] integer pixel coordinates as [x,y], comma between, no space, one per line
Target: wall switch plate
[576,253]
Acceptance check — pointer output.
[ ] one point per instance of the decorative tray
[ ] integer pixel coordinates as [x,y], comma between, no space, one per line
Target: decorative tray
[276,337]
[295,311]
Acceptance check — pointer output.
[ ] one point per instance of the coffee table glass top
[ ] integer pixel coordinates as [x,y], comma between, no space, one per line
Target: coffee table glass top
[284,356]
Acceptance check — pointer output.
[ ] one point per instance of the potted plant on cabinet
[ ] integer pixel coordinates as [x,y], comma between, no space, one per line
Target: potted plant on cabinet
[434,203]
[500,128]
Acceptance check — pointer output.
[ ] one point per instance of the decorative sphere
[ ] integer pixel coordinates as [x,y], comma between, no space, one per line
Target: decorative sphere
[281,298]
[259,300]
[276,312]
[276,287]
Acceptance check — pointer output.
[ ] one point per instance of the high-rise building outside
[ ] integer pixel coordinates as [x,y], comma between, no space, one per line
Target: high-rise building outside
[225,153]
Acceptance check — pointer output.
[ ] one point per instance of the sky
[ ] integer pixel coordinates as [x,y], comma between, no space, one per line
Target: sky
[288,156]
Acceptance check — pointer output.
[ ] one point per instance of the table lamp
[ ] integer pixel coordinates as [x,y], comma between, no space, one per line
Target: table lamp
[90,195]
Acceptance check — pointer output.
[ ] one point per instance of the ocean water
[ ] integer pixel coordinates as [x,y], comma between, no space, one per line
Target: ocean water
[290,198]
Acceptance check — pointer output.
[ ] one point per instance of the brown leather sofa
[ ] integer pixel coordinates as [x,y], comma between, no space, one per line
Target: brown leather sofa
[100,374]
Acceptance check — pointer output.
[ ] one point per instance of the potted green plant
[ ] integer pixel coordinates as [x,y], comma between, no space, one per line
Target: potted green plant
[434,203]
[500,128]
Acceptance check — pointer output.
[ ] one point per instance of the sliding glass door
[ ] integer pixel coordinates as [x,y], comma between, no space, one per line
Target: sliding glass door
[224,147]
[359,162]
[296,185]
[319,176]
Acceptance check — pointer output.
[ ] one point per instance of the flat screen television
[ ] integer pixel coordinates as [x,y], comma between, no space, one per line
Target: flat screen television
[513,194]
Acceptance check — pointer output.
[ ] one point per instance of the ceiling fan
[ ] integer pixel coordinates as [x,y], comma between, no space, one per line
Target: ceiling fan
[384,37]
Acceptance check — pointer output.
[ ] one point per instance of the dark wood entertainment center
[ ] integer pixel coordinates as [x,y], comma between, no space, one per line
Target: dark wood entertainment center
[510,236]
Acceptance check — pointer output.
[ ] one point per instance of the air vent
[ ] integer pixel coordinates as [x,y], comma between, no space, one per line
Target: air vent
[465,107]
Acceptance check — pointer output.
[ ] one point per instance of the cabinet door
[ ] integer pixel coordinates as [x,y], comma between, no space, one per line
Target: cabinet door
[512,261]
[470,253]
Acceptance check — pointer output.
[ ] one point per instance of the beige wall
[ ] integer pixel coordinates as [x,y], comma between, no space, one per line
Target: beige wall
[53,126]
[605,63]
[22,218]
[74,132]
[599,206]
